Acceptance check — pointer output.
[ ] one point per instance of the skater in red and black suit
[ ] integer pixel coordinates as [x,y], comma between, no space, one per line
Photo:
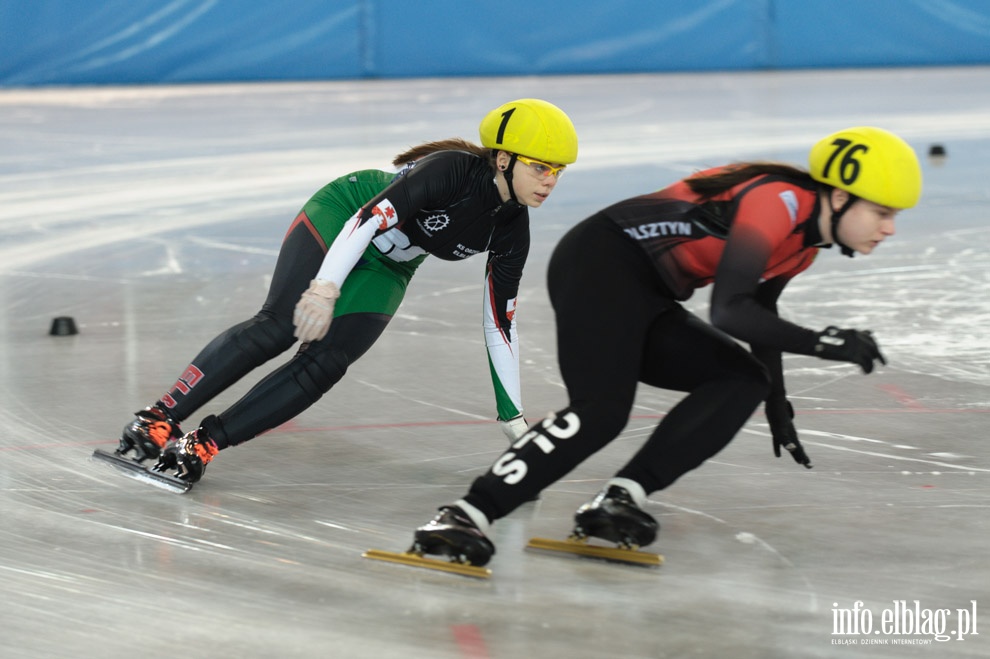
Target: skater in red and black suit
[616,282]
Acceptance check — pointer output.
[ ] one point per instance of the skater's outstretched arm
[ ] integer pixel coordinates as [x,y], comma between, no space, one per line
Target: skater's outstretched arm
[778,410]
[503,272]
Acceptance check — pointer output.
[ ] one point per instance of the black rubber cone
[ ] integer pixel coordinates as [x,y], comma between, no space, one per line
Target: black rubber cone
[63,326]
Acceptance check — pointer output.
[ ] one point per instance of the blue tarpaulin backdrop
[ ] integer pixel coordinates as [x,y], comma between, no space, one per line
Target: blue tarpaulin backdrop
[45,42]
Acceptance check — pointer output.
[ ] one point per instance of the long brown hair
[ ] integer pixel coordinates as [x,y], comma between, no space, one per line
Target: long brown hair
[712,185]
[452,144]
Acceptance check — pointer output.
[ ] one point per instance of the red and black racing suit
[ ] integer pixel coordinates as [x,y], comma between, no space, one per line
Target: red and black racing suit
[616,281]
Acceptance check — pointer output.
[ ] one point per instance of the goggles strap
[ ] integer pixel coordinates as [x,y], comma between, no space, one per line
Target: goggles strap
[508,177]
[836,216]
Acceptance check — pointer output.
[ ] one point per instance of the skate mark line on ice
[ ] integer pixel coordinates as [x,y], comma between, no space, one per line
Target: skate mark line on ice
[832,435]
[875,454]
[41,574]
[399,394]
[748,538]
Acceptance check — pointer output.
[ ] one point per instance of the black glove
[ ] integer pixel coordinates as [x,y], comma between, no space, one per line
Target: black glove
[780,416]
[849,345]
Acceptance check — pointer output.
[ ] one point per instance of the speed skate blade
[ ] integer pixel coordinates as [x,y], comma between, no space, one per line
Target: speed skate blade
[139,472]
[582,548]
[415,560]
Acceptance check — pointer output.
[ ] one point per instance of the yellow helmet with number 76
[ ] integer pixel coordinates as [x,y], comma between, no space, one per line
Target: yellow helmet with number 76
[871,163]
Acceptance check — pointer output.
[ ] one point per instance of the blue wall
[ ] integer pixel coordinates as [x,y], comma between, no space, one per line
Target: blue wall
[46,42]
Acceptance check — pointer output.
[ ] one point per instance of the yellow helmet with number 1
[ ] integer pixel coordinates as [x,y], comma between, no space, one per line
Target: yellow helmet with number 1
[531,127]
[871,163]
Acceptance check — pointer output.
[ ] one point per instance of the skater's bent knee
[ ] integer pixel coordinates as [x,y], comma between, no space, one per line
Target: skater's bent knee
[318,371]
[265,336]
[607,417]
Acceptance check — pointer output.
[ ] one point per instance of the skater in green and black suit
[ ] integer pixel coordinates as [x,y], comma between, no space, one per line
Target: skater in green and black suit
[348,257]
[616,282]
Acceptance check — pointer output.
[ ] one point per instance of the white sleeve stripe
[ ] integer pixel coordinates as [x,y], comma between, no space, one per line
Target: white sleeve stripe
[346,250]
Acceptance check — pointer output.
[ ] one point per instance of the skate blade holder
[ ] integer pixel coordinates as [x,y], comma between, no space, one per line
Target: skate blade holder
[139,472]
[580,547]
[418,560]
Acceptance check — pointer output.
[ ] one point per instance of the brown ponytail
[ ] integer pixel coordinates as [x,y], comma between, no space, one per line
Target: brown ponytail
[452,144]
[712,185]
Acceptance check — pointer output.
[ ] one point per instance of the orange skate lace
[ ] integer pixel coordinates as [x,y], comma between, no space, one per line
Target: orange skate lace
[205,450]
[159,432]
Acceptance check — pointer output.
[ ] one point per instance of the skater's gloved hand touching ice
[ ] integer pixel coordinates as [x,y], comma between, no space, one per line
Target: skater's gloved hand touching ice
[314,311]
[780,416]
[849,345]
[514,428]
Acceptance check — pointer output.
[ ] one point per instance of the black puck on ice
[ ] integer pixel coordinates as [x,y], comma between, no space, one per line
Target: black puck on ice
[936,150]
[63,326]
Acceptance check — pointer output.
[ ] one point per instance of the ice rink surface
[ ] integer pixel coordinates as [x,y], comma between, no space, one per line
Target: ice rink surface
[152,216]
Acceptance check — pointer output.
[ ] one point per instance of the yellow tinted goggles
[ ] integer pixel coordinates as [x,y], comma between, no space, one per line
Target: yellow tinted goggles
[541,168]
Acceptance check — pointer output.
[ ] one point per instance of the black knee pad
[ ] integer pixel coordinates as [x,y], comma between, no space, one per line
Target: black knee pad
[316,369]
[264,336]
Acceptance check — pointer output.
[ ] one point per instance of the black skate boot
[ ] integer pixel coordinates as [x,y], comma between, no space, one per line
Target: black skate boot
[187,457]
[613,515]
[148,433]
[452,533]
